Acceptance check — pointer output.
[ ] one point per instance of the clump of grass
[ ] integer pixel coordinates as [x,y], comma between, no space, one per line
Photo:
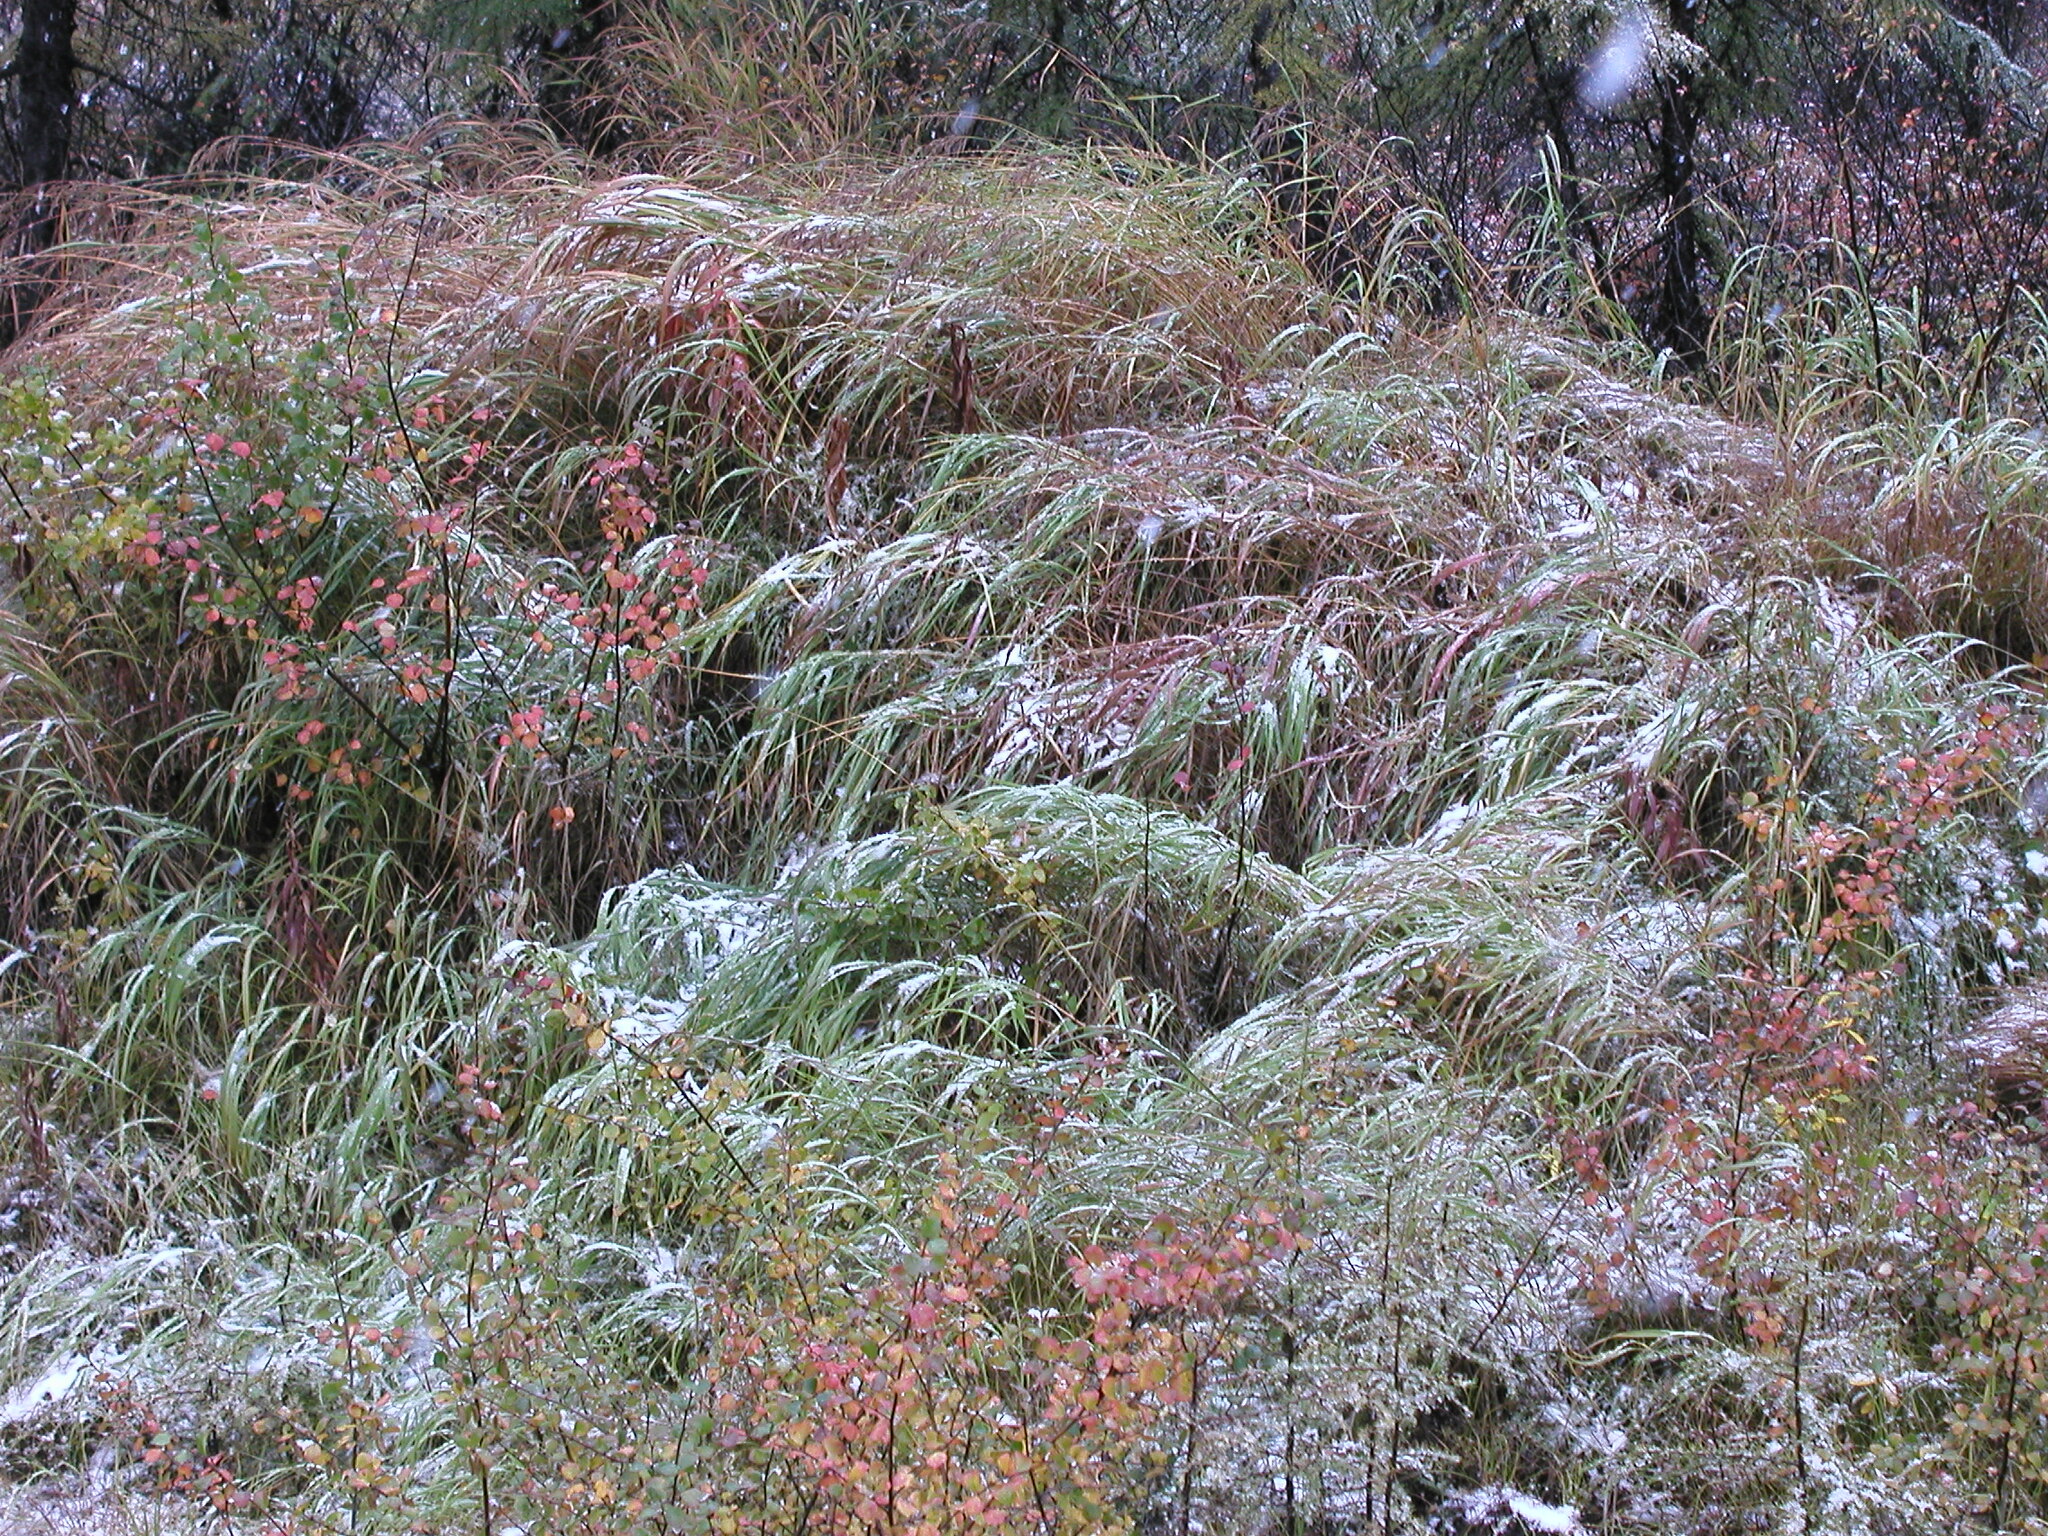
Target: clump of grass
[1141,732]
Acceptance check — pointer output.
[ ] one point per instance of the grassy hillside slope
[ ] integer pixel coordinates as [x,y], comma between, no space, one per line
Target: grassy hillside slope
[928,846]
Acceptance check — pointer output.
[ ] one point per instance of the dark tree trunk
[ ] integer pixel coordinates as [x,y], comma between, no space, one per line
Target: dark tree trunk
[47,70]
[1680,322]
[46,89]
[570,97]
[1554,90]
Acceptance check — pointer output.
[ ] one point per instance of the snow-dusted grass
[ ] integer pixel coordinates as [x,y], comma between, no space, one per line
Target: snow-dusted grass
[1308,748]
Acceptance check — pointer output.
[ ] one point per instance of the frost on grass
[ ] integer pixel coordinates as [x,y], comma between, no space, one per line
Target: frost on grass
[1149,749]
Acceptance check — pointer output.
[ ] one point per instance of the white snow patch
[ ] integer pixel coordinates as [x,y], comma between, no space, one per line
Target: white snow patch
[53,1386]
[1450,824]
[1588,1439]
[1493,1507]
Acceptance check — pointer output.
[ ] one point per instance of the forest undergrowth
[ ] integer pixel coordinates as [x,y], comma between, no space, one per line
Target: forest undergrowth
[850,846]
